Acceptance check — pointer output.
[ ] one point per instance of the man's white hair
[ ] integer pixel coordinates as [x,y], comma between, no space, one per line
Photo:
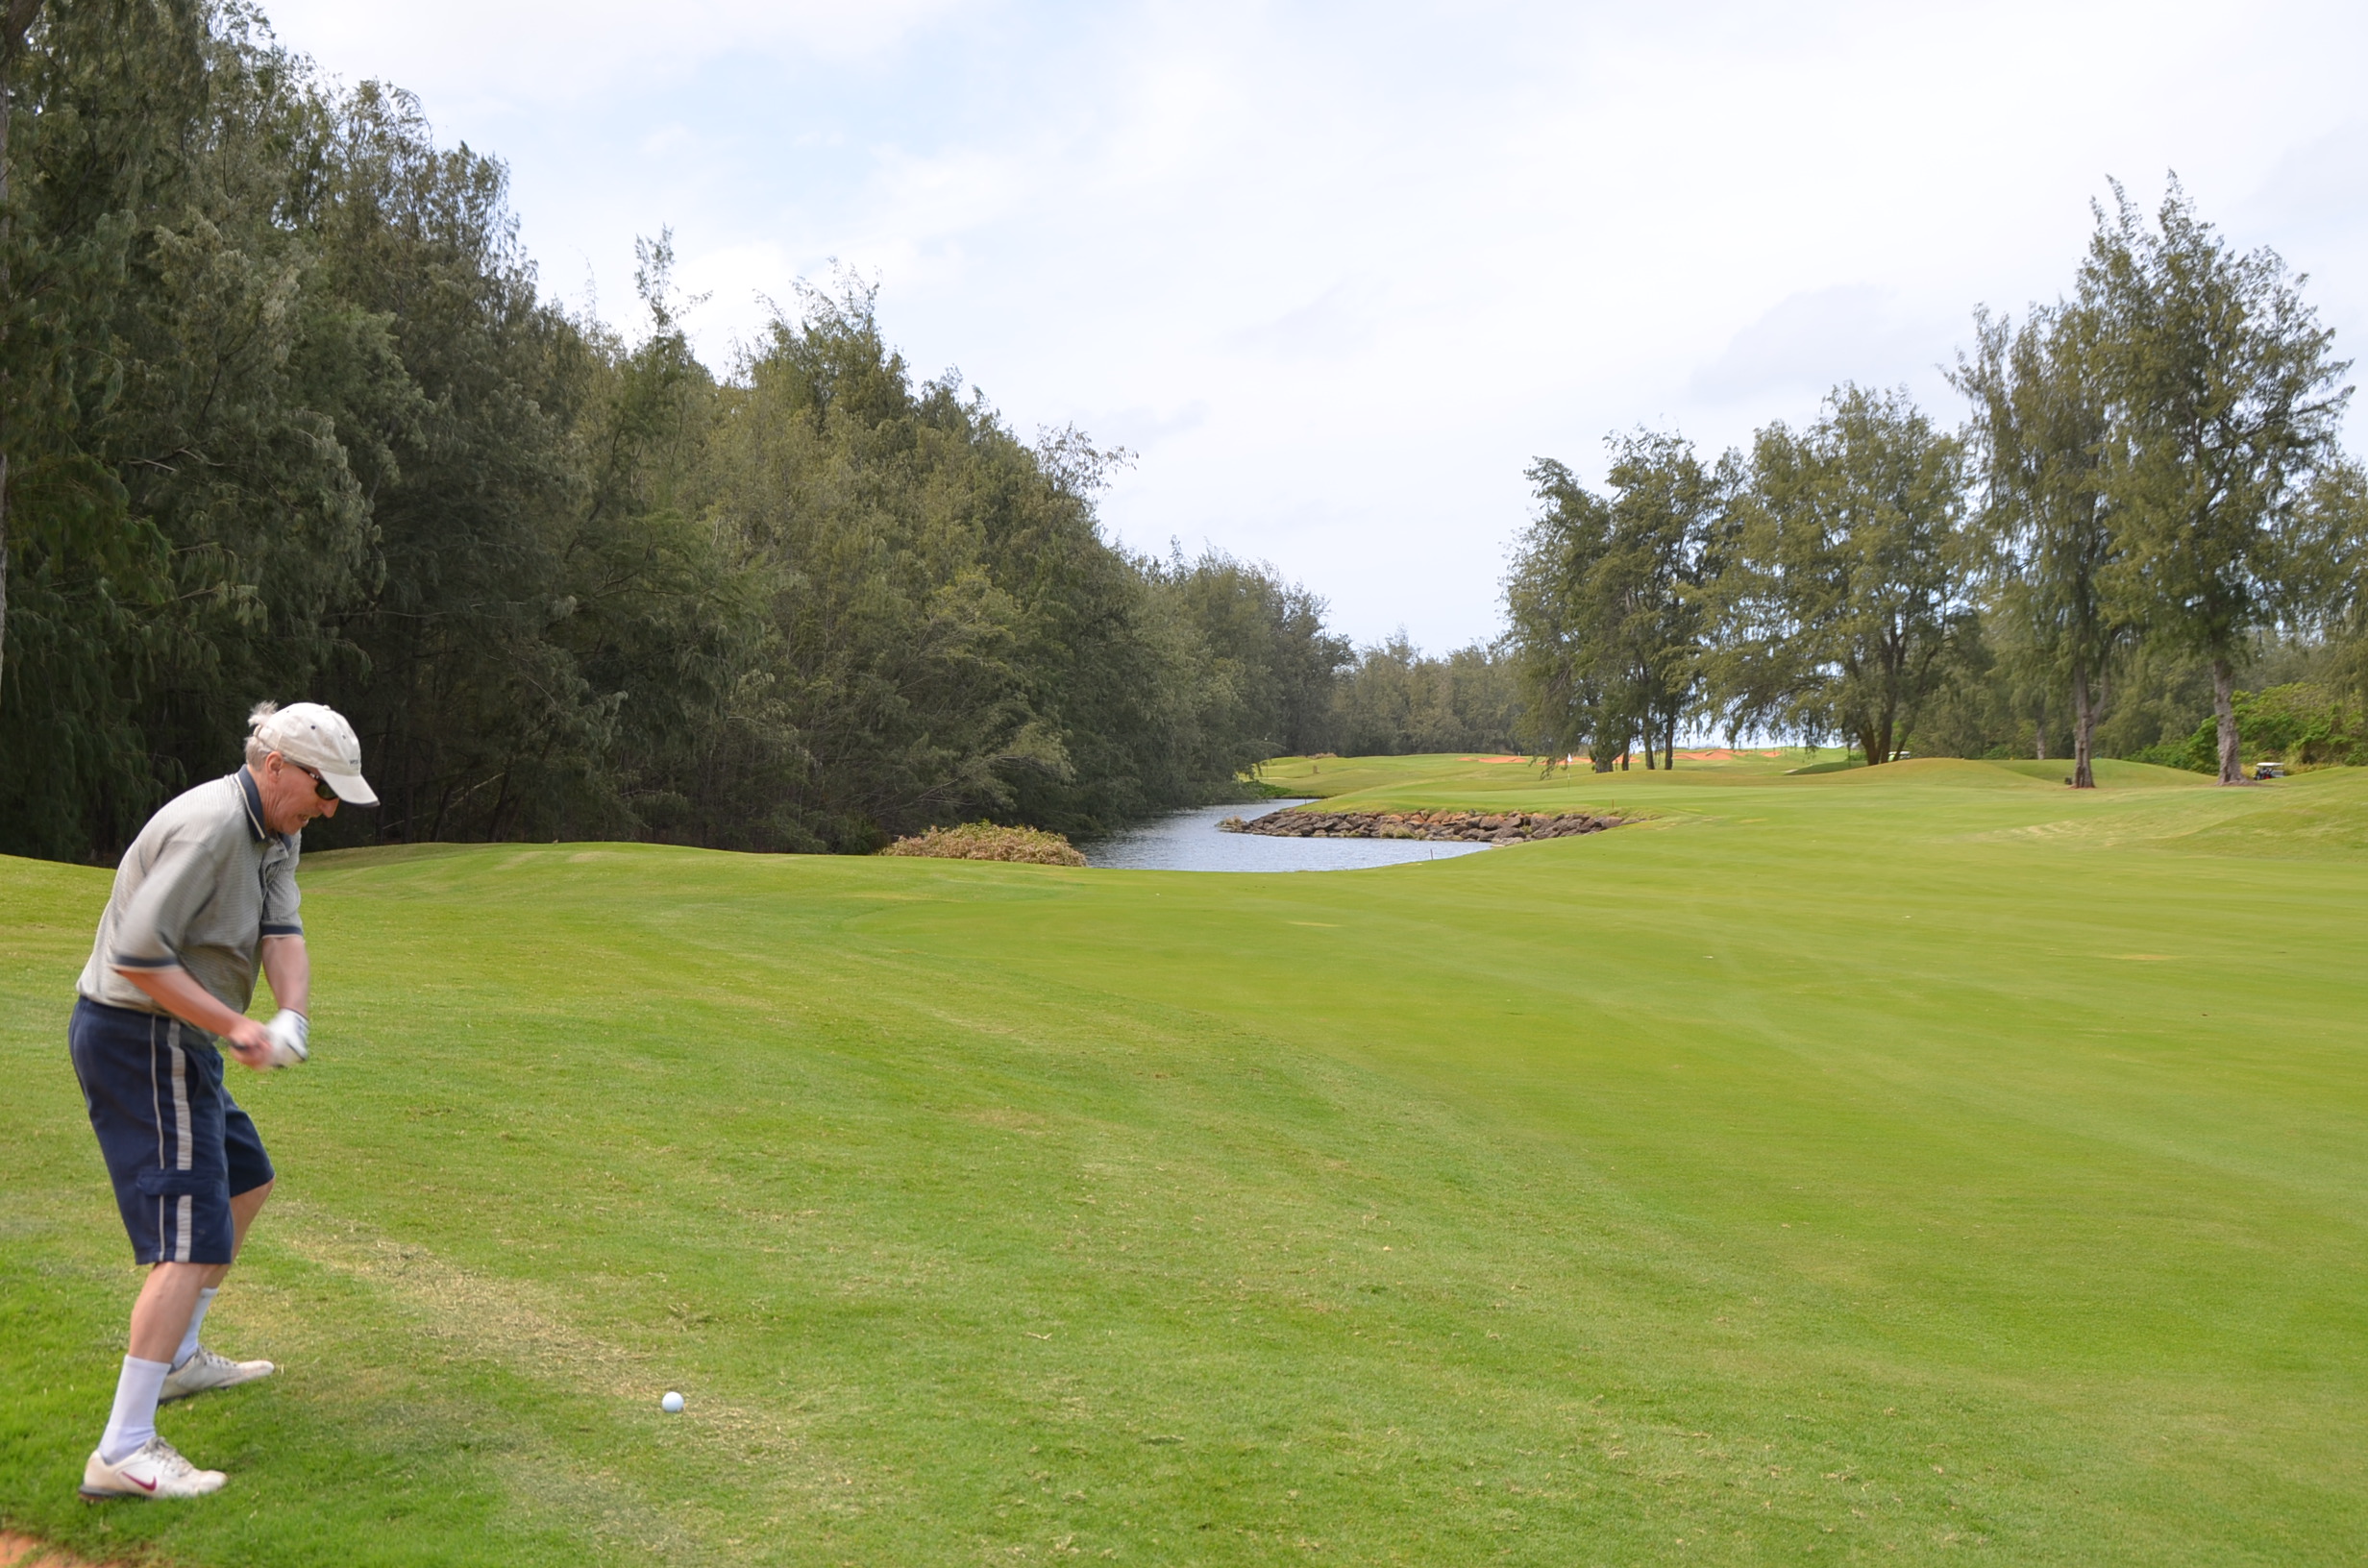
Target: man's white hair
[258,748]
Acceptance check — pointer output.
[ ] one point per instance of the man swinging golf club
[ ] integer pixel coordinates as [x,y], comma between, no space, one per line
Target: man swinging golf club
[206,890]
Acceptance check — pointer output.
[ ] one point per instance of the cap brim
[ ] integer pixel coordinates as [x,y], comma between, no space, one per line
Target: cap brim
[352,788]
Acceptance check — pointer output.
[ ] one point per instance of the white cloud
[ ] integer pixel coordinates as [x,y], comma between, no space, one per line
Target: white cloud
[2316,192]
[1339,324]
[1339,273]
[1813,341]
[551,53]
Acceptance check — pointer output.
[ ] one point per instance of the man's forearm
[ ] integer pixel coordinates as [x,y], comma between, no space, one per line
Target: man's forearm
[288,967]
[177,991]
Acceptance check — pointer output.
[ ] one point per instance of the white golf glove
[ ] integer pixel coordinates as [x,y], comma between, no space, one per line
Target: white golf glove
[291,1034]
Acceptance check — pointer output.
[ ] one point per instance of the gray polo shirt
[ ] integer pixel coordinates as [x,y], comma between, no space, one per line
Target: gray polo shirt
[201,886]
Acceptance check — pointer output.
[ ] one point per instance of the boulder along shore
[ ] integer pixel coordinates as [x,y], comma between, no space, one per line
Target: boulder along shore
[1463,826]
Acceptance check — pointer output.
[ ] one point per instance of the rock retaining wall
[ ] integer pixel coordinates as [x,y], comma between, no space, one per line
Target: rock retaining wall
[1463,826]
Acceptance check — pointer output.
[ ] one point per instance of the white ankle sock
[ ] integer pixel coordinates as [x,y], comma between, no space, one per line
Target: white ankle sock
[197,1321]
[135,1418]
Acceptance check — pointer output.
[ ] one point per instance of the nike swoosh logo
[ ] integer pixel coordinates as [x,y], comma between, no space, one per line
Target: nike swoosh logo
[144,1486]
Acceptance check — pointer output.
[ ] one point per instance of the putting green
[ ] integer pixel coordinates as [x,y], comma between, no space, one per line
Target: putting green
[1903,1163]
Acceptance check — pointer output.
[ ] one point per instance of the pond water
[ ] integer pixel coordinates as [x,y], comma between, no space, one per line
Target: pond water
[1189,841]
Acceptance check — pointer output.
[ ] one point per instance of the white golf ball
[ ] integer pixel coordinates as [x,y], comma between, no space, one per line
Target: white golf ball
[671,1404]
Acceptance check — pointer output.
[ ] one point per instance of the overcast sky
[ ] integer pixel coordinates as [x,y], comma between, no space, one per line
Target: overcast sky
[1337,273]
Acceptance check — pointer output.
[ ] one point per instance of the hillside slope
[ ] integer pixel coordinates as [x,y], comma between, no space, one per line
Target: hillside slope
[1835,1168]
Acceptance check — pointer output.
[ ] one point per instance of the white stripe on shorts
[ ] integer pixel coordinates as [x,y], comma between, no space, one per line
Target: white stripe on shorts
[183,1140]
[156,1111]
[182,1149]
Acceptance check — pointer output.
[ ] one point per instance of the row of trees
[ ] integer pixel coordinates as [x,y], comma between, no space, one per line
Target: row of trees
[282,412]
[2149,486]
[1394,699]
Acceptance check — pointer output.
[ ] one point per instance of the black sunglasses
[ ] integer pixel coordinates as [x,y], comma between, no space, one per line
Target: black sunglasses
[320,785]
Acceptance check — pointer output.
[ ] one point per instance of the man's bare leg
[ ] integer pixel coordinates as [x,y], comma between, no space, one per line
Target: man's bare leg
[243,1210]
[164,1363]
[244,1206]
[162,1315]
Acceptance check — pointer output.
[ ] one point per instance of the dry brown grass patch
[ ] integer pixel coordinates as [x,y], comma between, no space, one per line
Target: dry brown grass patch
[984,840]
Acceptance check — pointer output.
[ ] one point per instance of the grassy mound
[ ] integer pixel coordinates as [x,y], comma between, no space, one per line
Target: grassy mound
[1912,1171]
[2111,772]
[985,841]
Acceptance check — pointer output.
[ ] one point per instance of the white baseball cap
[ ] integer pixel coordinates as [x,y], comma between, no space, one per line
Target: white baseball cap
[316,737]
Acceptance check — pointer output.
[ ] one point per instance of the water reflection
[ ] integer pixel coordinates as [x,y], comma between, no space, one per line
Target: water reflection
[1189,841]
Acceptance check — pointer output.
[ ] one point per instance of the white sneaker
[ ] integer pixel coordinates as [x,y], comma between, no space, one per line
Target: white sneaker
[204,1370]
[154,1469]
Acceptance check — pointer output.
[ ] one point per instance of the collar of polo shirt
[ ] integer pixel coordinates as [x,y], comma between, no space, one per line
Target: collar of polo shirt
[252,799]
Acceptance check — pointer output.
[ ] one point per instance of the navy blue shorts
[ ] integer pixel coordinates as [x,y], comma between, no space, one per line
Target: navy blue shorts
[177,1147]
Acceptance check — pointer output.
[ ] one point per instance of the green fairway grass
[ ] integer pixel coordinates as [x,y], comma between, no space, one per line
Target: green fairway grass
[1328,776]
[1912,1164]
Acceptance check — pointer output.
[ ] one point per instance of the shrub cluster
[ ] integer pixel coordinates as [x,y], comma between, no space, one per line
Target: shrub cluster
[2302,724]
[986,840]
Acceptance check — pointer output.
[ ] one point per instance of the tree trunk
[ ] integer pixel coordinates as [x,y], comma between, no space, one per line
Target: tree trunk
[2224,704]
[1651,760]
[2083,729]
[1668,746]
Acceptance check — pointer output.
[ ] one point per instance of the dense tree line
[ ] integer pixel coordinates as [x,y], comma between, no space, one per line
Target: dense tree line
[1393,700]
[2147,505]
[284,412]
